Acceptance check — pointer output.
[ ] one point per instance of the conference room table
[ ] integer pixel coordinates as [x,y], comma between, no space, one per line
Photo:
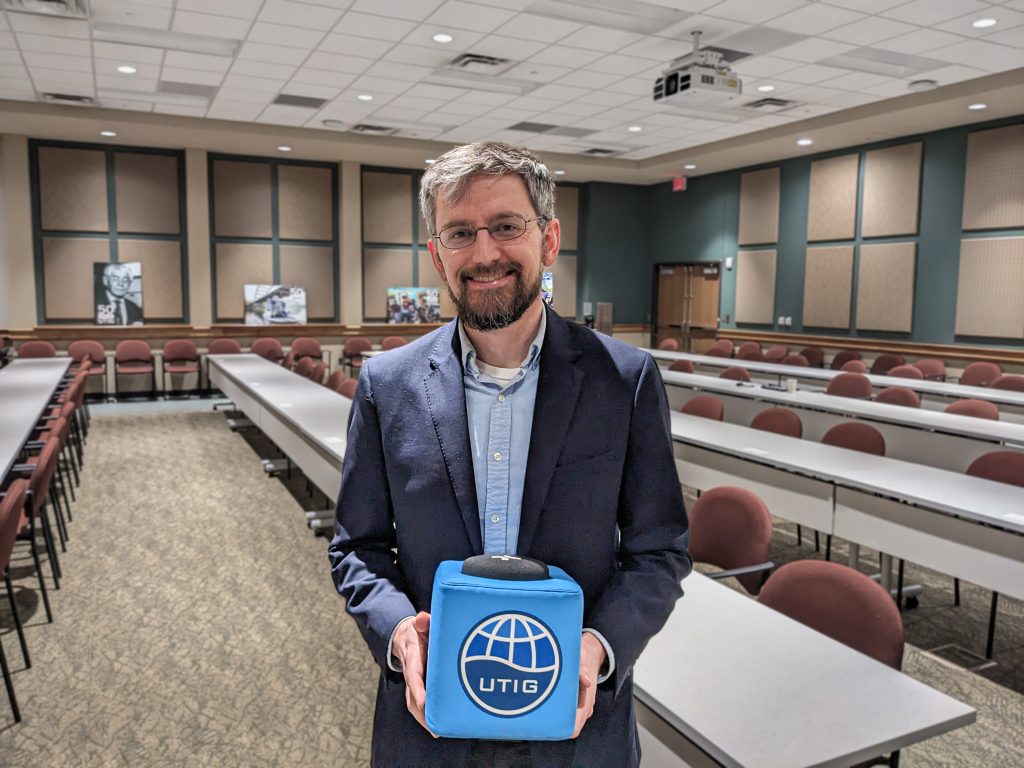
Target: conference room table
[26,389]
[281,402]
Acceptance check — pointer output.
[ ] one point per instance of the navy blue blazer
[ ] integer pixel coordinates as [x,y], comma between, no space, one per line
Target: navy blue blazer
[601,500]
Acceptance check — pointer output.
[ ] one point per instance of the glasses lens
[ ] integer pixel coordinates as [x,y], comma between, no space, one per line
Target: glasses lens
[457,237]
[507,227]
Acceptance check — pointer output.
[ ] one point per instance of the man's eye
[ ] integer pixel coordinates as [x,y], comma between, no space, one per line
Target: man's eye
[459,234]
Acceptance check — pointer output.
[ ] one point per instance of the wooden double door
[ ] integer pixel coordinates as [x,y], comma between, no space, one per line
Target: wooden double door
[686,304]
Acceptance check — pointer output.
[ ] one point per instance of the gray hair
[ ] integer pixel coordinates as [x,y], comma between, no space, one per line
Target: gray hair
[450,174]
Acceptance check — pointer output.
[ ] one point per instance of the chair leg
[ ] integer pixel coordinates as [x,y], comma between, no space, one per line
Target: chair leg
[39,572]
[51,550]
[899,586]
[828,546]
[17,619]
[799,536]
[10,685]
[956,592]
[990,641]
[58,518]
[894,759]
[817,544]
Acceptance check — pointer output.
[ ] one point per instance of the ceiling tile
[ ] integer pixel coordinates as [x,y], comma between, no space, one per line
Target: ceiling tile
[323,77]
[926,13]
[1006,18]
[355,46]
[418,55]
[423,36]
[813,93]
[129,54]
[179,109]
[127,12]
[601,39]
[47,44]
[813,73]
[921,41]
[375,85]
[856,81]
[276,54]
[814,19]
[442,93]
[661,49]
[277,114]
[812,50]
[275,34]
[415,10]
[574,110]
[7,40]
[55,61]
[263,69]
[867,6]
[530,26]
[539,73]
[478,18]
[506,47]
[408,72]
[848,100]
[616,64]
[869,31]
[955,74]
[244,95]
[144,87]
[8,56]
[765,66]
[62,86]
[336,62]
[205,24]
[18,72]
[485,98]
[49,25]
[1014,37]
[43,74]
[109,68]
[753,11]
[133,106]
[253,83]
[585,79]
[196,76]
[377,27]
[303,15]
[410,101]
[563,56]
[240,9]
[223,109]
[313,91]
[981,55]
[219,64]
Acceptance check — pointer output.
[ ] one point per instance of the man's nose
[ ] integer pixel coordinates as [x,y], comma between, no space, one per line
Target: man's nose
[487,248]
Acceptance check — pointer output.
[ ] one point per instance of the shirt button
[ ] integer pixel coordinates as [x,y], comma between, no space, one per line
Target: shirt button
[495,518]
[501,398]
[497,455]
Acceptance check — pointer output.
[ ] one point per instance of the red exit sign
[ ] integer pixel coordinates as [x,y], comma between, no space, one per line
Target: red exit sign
[679,184]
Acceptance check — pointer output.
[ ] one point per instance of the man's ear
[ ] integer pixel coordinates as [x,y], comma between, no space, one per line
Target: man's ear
[435,256]
[552,241]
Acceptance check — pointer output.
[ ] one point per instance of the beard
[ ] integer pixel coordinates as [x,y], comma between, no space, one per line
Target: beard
[496,308]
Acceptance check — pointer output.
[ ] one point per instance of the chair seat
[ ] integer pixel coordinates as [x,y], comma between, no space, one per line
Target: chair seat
[95,371]
[134,368]
[181,367]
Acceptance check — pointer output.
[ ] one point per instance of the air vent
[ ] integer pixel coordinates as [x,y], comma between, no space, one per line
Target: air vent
[69,98]
[206,92]
[68,9]
[769,105]
[477,62]
[532,127]
[373,130]
[289,100]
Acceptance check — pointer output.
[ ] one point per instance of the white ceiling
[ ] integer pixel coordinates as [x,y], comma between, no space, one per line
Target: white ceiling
[591,77]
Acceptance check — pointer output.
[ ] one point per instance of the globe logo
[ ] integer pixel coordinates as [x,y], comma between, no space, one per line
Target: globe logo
[509,664]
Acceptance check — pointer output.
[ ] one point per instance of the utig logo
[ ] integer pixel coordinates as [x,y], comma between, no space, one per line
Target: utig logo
[509,664]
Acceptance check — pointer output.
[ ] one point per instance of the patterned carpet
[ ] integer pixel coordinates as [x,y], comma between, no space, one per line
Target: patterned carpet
[197,625]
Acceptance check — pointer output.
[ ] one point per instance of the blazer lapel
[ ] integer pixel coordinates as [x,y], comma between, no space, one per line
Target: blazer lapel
[557,392]
[446,399]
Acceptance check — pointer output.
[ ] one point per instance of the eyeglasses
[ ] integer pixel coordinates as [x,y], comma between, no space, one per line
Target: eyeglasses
[502,229]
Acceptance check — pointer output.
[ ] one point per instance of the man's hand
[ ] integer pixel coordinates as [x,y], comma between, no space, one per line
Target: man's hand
[410,648]
[592,657]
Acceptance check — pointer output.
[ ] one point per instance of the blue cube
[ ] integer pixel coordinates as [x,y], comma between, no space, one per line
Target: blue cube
[504,655]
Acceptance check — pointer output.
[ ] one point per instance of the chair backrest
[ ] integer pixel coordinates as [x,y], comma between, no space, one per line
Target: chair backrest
[781,421]
[304,367]
[316,372]
[736,373]
[46,465]
[899,396]
[269,348]
[776,353]
[905,372]
[1001,466]
[1009,381]
[304,346]
[843,356]
[392,342]
[856,436]
[682,366]
[931,368]
[980,374]
[10,519]
[714,351]
[854,366]
[78,350]
[747,347]
[753,354]
[36,348]
[731,528]
[348,388]
[980,409]
[356,345]
[180,350]
[670,345]
[840,602]
[335,380]
[849,384]
[885,362]
[723,345]
[133,351]
[224,347]
[707,406]
[795,360]
[815,357]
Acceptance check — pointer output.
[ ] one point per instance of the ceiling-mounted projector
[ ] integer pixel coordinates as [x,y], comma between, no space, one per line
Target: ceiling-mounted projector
[700,78]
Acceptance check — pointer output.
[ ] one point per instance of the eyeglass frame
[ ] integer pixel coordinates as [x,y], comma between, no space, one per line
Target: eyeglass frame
[526,223]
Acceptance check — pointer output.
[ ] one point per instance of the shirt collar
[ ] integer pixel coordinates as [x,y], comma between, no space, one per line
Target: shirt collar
[531,360]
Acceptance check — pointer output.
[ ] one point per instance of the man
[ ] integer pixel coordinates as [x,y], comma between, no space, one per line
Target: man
[114,307]
[508,431]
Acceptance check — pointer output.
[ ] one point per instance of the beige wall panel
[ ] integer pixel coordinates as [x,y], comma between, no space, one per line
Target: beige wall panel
[832,209]
[755,286]
[304,203]
[161,276]
[828,281]
[892,187]
[350,274]
[387,208]
[239,264]
[67,273]
[430,279]
[567,210]
[311,267]
[73,189]
[146,190]
[423,233]
[383,268]
[197,207]
[989,298]
[564,285]
[241,196]
[17,258]
[759,206]
[994,181]
[885,287]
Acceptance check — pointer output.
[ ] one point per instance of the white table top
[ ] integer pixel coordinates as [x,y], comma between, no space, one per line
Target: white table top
[919,418]
[783,695]
[939,388]
[26,387]
[985,501]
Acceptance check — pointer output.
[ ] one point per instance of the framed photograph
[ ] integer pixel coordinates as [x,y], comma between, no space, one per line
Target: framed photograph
[275,305]
[117,292]
[414,305]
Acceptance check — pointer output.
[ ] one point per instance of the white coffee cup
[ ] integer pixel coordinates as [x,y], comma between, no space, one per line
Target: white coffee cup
[791,385]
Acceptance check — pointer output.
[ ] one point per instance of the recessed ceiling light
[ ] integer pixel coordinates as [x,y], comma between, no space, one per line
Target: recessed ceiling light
[766,88]
[804,142]
[333,124]
[977,107]
[559,173]
[430,161]
[922,86]
[127,69]
[635,128]
[984,23]
[442,37]
[284,148]
[108,134]
[364,97]
[690,167]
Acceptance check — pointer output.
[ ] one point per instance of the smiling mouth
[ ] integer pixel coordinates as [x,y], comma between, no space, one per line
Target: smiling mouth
[485,281]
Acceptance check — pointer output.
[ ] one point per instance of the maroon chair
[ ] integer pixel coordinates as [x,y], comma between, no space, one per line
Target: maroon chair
[669,345]
[899,396]
[854,366]
[842,357]
[133,357]
[731,528]
[36,348]
[781,421]
[180,357]
[980,374]
[706,406]
[721,348]
[392,342]
[348,387]
[885,362]
[848,384]
[776,353]
[815,357]
[931,368]
[305,346]
[905,372]
[268,348]
[1009,381]
[980,409]
[11,506]
[335,380]
[224,347]
[681,366]
[856,436]
[753,354]
[798,360]
[352,354]
[1000,466]
[736,373]
[304,367]
[41,469]
[748,347]
[95,353]
[316,373]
